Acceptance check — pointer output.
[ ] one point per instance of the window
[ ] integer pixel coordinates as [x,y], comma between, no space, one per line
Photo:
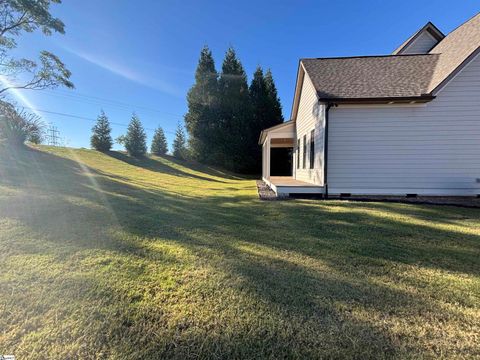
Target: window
[304,151]
[298,153]
[312,149]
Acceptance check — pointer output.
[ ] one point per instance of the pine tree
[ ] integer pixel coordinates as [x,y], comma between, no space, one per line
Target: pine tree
[260,102]
[135,139]
[179,144]
[234,114]
[101,139]
[201,119]
[275,116]
[159,142]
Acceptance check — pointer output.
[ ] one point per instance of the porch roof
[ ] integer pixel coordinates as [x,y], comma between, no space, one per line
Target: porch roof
[282,126]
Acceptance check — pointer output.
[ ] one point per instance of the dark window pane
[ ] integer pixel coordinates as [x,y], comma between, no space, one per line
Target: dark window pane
[298,153]
[304,151]
[312,149]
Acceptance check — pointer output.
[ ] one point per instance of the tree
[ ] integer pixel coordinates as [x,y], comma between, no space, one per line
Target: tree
[234,114]
[135,139]
[18,17]
[266,112]
[201,120]
[159,142]
[120,140]
[179,144]
[101,139]
[260,102]
[275,115]
[18,126]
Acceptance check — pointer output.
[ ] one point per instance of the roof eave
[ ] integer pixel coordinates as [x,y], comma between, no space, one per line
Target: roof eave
[379,100]
[264,132]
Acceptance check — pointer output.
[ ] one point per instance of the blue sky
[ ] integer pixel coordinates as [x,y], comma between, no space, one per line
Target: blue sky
[141,55]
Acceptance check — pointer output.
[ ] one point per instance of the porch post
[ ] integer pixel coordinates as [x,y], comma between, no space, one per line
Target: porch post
[268,157]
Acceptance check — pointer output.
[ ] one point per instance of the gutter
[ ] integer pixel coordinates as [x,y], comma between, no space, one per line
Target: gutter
[325,150]
[380,100]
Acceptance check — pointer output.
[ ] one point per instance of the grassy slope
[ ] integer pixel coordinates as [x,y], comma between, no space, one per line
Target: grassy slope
[102,256]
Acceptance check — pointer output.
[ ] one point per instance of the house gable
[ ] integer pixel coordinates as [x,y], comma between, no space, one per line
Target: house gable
[421,42]
[298,90]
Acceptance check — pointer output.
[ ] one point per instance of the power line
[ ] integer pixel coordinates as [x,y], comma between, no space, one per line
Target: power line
[95,100]
[84,118]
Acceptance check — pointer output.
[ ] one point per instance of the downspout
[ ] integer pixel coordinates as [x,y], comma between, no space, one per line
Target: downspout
[325,150]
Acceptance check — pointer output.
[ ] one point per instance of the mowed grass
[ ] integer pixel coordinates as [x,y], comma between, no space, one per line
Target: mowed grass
[102,256]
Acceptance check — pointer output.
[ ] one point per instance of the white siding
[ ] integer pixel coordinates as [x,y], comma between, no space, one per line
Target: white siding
[422,44]
[309,117]
[432,149]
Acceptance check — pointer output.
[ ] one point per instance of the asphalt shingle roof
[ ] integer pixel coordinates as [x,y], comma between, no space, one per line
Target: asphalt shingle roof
[394,76]
[455,48]
[372,76]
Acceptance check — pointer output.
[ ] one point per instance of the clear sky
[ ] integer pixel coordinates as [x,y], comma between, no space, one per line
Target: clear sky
[140,55]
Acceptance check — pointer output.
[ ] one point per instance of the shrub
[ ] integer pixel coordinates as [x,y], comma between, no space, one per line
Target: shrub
[18,126]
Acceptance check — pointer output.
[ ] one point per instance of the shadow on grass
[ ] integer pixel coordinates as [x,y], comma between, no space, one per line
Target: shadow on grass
[161,167]
[257,250]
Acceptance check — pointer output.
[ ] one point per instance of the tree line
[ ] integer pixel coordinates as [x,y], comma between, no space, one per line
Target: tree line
[226,115]
[224,119]
[135,139]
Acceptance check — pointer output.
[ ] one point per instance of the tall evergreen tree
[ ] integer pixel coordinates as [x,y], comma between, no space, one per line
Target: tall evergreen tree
[201,119]
[275,115]
[179,144]
[101,139]
[135,139]
[234,114]
[261,111]
[159,142]
[267,111]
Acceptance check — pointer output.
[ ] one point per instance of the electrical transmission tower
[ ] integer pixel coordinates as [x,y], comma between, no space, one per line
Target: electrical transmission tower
[53,136]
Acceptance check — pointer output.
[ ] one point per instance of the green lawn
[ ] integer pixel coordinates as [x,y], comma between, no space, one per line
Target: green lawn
[102,256]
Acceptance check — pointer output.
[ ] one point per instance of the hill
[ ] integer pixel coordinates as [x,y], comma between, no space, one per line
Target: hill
[103,256]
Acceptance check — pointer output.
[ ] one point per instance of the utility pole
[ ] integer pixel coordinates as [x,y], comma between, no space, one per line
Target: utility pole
[53,136]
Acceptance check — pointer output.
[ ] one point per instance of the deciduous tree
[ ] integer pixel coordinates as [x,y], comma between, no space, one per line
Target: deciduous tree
[18,17]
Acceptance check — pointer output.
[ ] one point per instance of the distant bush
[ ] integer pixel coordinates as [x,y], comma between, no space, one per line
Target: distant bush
[18,126]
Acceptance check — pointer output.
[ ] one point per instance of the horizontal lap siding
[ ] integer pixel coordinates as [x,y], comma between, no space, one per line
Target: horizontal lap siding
[431,150]
[310,116]
[421,44]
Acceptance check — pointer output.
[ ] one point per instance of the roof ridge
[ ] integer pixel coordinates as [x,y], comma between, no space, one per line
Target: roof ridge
[367,56]
[463,23]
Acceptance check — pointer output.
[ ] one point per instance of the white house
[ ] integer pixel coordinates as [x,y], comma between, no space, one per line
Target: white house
[402,124]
